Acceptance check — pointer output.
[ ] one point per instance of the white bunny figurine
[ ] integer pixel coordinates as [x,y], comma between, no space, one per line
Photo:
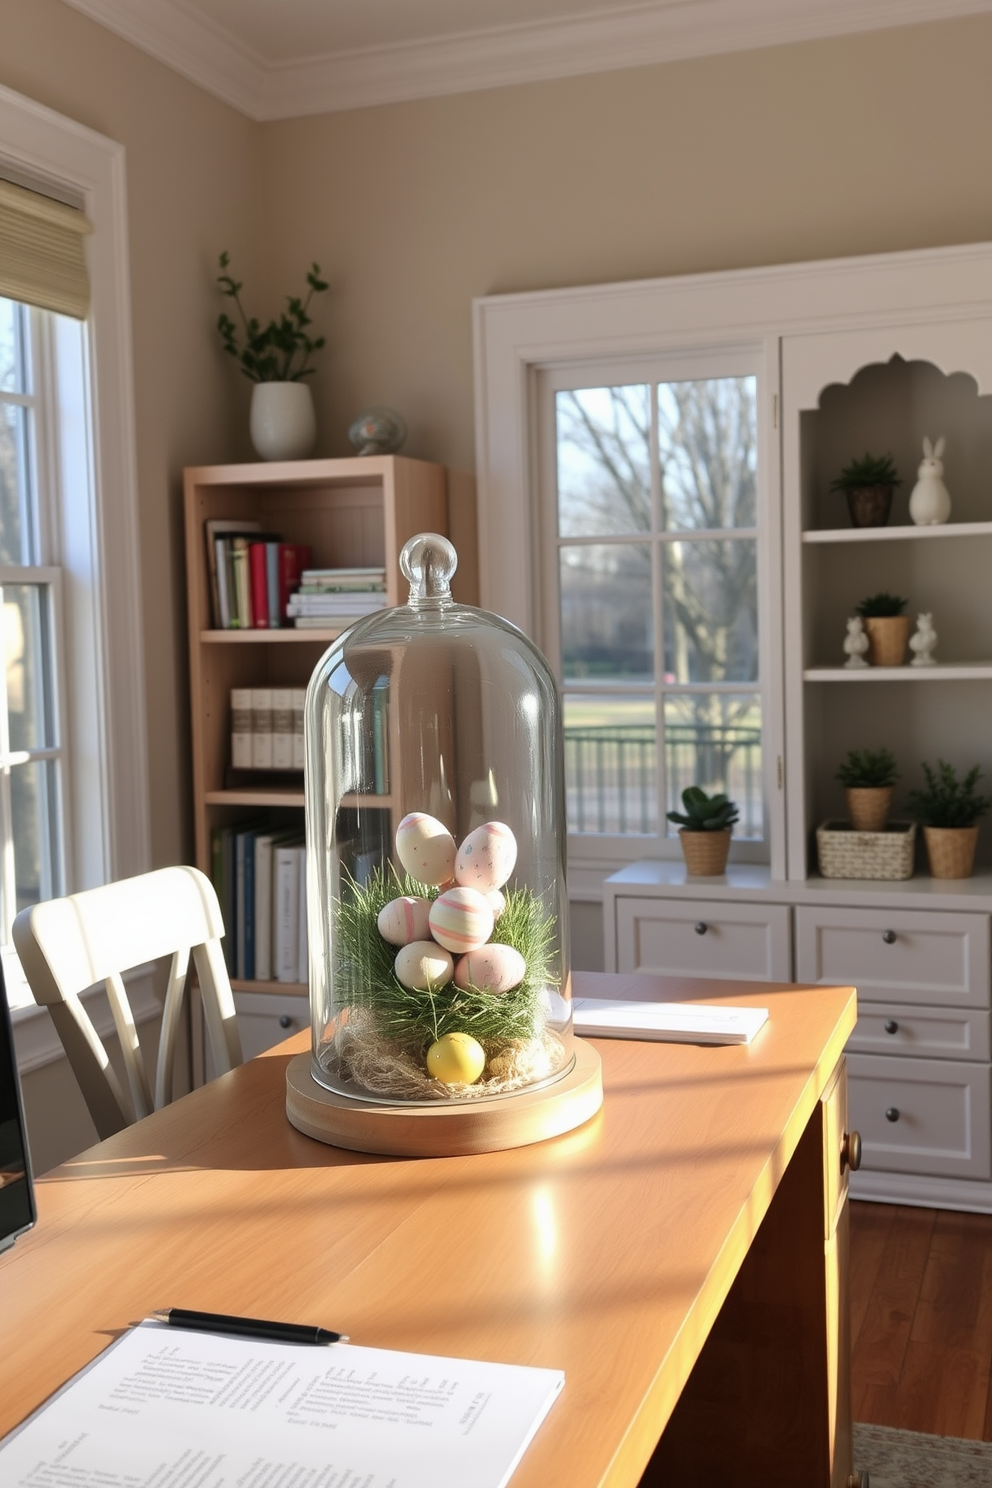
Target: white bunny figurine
[930,503]
[855,644]
[923,641]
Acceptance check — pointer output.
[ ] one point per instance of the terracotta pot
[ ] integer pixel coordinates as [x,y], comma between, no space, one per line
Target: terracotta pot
[887,638]
[705,853]
[951,850]
[869,506]
[868,806]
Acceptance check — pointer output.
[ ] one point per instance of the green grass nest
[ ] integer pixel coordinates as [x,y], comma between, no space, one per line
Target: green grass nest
[364,975]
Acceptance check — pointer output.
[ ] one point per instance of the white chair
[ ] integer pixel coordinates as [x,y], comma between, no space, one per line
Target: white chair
[66,945]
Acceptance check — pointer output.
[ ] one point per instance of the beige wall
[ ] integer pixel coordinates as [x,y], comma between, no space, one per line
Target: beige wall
[859,145]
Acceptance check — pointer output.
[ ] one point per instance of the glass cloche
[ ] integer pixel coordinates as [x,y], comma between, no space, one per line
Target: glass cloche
[435,818]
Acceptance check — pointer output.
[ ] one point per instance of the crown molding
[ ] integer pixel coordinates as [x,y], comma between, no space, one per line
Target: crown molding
[172,32]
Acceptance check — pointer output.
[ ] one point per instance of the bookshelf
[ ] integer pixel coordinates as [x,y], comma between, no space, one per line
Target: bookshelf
[352,512]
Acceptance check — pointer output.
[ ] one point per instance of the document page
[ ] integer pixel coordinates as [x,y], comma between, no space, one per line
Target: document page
[166,1408]
[666,1022]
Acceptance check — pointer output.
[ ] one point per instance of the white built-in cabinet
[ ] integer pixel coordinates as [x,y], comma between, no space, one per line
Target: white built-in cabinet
[873,355]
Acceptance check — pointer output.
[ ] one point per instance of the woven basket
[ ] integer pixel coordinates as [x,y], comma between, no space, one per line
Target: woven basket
[845,853]
[868,806]
[951,850]
[887,638]
[705,853]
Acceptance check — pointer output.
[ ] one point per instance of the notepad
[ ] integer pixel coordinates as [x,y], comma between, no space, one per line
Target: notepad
[666,1022]
[165,1407]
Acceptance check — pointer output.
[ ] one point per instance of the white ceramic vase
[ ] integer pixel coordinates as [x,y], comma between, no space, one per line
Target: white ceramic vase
[282,423]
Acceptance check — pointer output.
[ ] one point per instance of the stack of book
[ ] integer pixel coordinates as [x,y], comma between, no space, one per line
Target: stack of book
[259,873]
[267,728]
[334,597]
[252,574]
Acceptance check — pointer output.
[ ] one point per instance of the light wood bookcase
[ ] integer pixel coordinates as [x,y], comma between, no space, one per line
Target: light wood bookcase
[351,512]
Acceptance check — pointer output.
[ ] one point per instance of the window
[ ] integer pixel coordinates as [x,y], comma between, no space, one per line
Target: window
[32,783]
[73,752]
[651,603]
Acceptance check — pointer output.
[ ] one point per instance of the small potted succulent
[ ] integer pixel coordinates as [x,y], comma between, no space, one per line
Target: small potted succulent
[949,810]
[276,358]
[706,825]
[868,776]
[868,484]
[887,628]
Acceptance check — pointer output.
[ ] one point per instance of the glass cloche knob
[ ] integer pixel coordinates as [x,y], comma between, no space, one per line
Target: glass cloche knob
[428,561]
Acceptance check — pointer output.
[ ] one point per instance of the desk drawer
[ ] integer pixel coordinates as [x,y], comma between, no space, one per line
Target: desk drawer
[697,937]
[896,956]
[938,1121]
[930,1033]
[835,1130]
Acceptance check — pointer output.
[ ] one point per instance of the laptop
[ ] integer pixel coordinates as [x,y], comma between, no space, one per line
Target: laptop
[17,1211]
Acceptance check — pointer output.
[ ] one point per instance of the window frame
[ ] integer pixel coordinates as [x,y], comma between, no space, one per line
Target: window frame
[652,371]
[517,338]
[90,458]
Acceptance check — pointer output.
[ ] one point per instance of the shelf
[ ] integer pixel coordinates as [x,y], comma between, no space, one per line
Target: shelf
[887,534]
[252,637]
[959,671]
[254,797]
[281,989]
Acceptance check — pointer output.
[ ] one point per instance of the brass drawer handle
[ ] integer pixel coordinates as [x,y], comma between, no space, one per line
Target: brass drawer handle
[701,927]
[891,1026]
[850,1152]
[889,936]
[892,1113]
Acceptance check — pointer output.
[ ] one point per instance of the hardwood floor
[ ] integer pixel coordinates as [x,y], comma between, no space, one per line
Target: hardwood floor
[921,1319]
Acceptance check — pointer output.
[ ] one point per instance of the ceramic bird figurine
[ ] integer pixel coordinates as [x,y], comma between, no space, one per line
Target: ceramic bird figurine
[930,502]
[855,643]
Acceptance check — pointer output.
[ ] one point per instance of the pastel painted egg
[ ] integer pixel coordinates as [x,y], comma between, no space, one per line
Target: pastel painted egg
[485,859]
[496,901]
[426,848]
[423,966]
[461,919]
[456,1059]
[492,968]
[405,919]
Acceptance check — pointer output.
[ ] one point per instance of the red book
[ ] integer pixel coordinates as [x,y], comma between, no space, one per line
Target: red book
[258,579]
[293,559]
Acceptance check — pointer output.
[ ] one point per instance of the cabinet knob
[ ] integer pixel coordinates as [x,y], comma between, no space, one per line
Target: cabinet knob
[891,1026]
[285,1021]
[889,936]
[850,1152]
[892,1113]
[701,927]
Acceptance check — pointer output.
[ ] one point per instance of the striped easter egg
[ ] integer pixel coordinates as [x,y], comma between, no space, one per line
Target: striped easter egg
[405,919]
[461,920]
[426,848]
[423,966]
[485,859]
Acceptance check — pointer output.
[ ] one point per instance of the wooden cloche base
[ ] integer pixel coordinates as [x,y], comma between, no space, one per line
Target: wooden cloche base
[445,1130]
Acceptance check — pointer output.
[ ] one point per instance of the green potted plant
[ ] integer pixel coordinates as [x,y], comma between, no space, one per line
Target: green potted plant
[276,358]
[868,484]
[706,826]
[868,776]
[887,628]
[949,810]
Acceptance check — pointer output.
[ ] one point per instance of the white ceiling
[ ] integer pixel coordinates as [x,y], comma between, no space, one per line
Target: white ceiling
[276,59]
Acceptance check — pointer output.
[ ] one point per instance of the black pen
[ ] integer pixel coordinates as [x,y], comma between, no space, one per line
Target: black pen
[242,1327]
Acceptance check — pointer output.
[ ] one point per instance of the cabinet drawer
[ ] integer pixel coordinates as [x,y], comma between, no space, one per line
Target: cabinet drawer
[938,1118]
[896,956]
[264,1019]
[933,1033]
[695,937]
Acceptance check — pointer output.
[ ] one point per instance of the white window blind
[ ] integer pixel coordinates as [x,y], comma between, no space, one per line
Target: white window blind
[42,252]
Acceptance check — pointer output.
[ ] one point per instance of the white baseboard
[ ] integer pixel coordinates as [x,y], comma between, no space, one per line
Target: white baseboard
[973,1196]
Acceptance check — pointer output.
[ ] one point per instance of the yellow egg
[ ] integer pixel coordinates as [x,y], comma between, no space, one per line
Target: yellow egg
[456,1059]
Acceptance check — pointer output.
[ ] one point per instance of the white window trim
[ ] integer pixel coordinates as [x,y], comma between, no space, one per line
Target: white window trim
[516,335]
[100,549]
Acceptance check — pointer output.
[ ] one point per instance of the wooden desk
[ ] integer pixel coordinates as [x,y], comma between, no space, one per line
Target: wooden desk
[608,1252]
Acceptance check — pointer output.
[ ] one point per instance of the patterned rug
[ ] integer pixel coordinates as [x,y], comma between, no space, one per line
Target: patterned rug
[907,1459]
